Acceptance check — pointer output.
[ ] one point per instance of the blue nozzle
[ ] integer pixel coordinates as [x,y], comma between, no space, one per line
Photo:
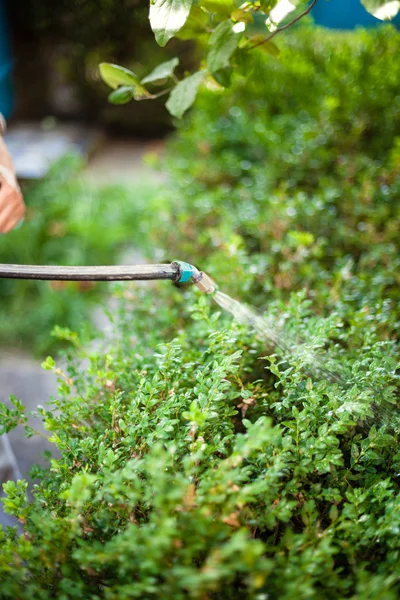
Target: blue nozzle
[186,271]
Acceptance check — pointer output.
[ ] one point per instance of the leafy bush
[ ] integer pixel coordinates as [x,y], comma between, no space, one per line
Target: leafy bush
[205,466]
[296,175]
[188,469]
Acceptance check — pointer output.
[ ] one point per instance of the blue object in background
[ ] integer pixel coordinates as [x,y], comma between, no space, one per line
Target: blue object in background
[345,14]
[6,88]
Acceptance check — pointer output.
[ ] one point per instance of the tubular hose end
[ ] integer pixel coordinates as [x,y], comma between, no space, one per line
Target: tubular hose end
[204,283]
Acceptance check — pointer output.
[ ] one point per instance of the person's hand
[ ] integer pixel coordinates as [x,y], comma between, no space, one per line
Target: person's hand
[12,207]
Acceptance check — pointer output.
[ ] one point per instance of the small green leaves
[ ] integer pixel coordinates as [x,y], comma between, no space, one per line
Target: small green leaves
[48,364]
[79,491]
[11,417]
[122,95]
[184,94]
[223,41]
[16,499]
[385,10]
[116,76]
[167,17]
[162,71]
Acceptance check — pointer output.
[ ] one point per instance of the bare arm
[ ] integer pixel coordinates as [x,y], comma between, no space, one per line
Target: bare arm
[12,207]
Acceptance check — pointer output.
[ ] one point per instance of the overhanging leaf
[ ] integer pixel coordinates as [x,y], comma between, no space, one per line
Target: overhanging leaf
[221,7]
[258,41]
[167,17]
[122,95]
[162,71]
[223,41]
[184,94]
[224,77]
[382,9]
[242,15]
[195,25]
[116,76]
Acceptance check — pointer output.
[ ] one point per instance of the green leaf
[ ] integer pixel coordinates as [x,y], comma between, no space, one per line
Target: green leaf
[116,76]
[242,15]
[385,10]
[223,77]
[257,42]
[195,26]
[167,17]
[184,94]
[221,7]
[48,364]
[162,71]
[223,41]
[122,95]
[244,62]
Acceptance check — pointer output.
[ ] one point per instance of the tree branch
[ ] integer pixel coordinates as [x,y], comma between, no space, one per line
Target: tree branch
[300,16]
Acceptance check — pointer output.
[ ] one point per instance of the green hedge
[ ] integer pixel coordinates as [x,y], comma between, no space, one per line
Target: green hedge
[205,467]
[308,145]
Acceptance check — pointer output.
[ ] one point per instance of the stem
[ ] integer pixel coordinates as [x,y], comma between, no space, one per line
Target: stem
[300,16]
[158,95]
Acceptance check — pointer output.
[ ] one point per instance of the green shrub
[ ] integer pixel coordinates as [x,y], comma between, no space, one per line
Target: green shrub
[295,176]
[188,470]
[193,463]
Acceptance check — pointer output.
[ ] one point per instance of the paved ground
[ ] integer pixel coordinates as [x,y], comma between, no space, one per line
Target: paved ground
[21,375]
[122,160]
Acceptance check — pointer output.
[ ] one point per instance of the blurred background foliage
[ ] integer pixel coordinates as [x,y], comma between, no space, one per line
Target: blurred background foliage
[58,46]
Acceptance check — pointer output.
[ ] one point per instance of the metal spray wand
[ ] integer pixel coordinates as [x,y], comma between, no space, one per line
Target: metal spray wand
[178,272]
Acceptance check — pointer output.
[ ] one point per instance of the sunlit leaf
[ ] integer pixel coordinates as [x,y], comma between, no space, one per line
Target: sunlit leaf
[162,71]
[116,76]
[184,94]
[167,17]
[382,9]
[223,41]
[282,9]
